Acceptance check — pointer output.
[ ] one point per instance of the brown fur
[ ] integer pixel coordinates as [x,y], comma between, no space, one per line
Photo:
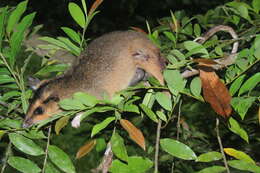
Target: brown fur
[107,66]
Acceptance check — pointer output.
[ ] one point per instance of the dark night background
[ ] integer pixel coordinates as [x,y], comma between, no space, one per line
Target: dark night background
[114,14]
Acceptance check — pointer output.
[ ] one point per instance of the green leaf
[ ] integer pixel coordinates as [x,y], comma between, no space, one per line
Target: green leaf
[118,147]
[33,134]
[149,112]
[23,165]
[195,48]
[213,169]
[54,41]
[6,79]
[164,100]
[71,104]
[61,159]
[50,168]
[242,104]
[177,149]
[197,30]
[239,155]
[219,50]
[86,99]
[8,95]
[18,36]
[135,165]
[170,36]
[178,54]
[195,86]
[101,144]
[250,83]
[174,80]
[256,5]
[77,14]
[72,34]
[84,7]
[8,123]
[98,127]
[71,47]
[139,164]
[161,115]
[119,167]
[209,157]
[235,128]
[131,108]
[244,166]
[15,16]
[25,145]
[241,8]
[3,17]
[2,132]
[52,68]
[96,109]
[236,85]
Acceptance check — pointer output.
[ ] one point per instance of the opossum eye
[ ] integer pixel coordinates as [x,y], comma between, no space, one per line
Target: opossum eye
[140,55]
[51,98]
[39,110]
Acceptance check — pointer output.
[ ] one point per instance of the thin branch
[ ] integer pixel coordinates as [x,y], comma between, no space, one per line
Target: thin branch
[106,161]
[7,153]
[178,121]
[46,150]
[156,156]
[221,146]
[10,70]
[222,62]
[4,104]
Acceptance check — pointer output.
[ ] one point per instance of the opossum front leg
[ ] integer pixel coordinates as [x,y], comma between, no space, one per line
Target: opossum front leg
[140,75]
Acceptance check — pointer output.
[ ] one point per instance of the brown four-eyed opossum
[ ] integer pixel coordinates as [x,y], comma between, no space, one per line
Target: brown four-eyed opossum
[110,63]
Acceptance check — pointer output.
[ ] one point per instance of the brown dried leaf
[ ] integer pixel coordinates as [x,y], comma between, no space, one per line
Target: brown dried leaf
[215,92]
[62,122]
[134,133]
[85,149]
[175,26]
[138,29]
[94,6]
[205,62]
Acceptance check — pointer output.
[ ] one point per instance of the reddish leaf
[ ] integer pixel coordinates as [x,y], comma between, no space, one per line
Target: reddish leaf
[134,133]
[138,29]
[85,149]
[215,92]
[94,6]
[202,61]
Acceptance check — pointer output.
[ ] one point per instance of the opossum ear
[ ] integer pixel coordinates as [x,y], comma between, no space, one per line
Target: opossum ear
[34,83]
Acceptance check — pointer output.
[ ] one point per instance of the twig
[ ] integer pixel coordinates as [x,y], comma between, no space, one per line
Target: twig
[106,161]
[156,156]
[8,150]
[4,104]
[46,150]
[221,146]
[178,121]
[222,62]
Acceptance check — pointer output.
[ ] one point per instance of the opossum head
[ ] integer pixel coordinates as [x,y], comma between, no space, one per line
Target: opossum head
[43,105]
[148,57]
